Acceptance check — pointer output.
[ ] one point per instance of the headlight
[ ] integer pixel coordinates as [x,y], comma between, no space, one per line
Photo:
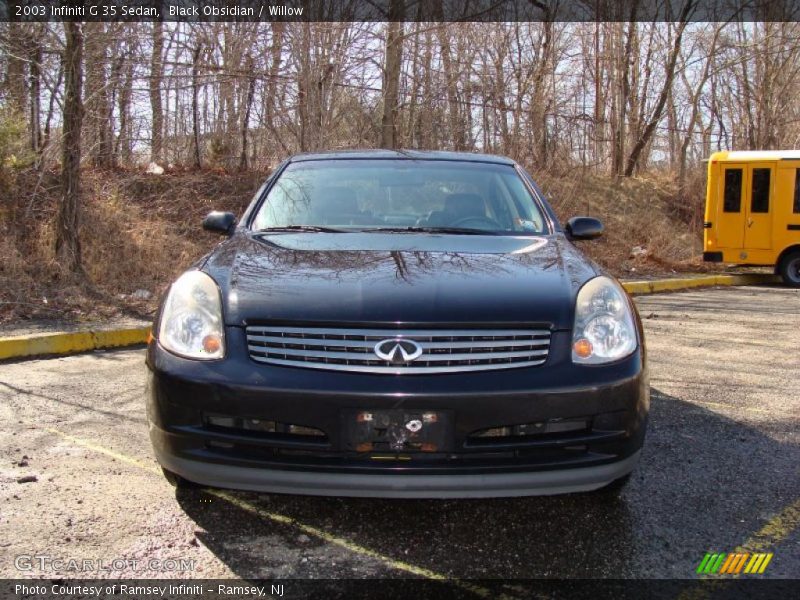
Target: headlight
[191,322]
[604,329]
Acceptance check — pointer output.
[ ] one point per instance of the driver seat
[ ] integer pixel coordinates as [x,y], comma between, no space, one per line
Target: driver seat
[336,205]
[457,207]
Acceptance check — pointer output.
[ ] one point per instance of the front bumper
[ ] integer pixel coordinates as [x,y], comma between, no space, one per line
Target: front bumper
[612,401]
[400,485]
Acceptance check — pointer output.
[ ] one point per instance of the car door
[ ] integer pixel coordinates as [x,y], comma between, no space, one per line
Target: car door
[730,205]
[758,206]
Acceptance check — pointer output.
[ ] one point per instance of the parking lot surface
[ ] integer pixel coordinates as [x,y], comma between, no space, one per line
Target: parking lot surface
[719,472]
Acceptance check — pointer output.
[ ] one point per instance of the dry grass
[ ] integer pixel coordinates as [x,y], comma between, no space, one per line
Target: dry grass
[650,228]
[139,231]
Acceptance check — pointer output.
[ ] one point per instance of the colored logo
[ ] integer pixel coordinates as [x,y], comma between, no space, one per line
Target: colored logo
[720,563]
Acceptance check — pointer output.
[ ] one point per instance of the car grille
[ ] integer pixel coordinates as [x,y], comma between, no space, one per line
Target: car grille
[443,350]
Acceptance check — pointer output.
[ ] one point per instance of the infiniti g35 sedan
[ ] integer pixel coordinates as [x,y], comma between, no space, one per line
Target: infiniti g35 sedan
[398,324]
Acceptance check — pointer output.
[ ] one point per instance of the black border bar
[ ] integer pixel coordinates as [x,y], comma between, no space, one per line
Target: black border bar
[400,10]
[357,589]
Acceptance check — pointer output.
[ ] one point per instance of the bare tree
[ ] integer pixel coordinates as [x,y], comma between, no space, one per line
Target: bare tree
[196,53]
[669,76]
[157,111]
[251,90]
[617,97]
[68,244]
[393,63]
[123,74]
[35,86]
[98,110]
[15,81]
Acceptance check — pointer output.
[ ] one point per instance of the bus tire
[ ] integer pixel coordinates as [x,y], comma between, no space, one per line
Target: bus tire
[789,269]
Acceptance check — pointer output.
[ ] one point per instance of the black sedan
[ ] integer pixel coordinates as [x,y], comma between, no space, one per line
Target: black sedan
[401,324]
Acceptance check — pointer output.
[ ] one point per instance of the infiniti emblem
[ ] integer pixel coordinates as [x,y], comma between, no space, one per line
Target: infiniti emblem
[398,351]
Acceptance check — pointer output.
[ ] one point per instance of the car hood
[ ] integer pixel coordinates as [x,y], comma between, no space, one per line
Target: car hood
[398,278]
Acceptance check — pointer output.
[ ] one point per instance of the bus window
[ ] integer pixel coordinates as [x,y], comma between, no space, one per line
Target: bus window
[796,191]
[733,191]
[759,202]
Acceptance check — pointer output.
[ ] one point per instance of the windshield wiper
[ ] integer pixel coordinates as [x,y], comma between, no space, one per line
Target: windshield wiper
[411,229]
[302,228]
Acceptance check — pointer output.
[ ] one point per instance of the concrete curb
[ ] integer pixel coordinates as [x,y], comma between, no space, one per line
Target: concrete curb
[684,283]
[70,342]
[81,341]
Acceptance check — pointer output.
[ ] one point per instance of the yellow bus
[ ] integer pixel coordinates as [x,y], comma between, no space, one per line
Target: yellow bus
[753,211]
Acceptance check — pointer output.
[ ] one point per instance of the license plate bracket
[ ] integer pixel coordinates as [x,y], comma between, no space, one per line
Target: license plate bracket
[397,430]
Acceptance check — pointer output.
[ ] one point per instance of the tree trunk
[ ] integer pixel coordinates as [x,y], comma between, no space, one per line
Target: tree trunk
[303,85]
[51,104]
[456,131]
[97,124]
[599,99]
[68,245]
[36,103]
[393,63]
[156,72]
[409,136]
[15,81]
[122,148]
[251,91]
[195,111]
[426,128]
[624,92]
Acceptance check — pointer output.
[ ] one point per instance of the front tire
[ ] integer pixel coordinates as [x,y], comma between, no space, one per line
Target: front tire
[614,489]
[789,269]
[178,482]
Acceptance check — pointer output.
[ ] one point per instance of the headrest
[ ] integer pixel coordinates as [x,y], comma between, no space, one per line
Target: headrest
[465,204]
[335,200]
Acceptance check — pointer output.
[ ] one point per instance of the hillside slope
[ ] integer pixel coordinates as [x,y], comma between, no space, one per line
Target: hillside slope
[140,231]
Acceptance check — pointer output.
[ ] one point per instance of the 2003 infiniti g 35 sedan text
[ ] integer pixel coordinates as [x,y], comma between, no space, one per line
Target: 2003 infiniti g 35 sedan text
[407,324]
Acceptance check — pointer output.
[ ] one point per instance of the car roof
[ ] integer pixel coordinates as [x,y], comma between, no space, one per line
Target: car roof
[402,155]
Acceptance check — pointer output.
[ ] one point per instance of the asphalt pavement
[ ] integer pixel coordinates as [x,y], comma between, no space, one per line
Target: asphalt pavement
[719,473]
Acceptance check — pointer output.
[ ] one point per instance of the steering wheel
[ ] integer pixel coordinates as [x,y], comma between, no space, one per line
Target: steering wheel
[477,223]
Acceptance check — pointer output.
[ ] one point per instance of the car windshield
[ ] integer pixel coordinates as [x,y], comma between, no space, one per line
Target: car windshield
[401,195]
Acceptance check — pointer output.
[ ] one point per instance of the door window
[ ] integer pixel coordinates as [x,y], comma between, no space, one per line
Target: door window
[796,208]
[759,201]
[733,191]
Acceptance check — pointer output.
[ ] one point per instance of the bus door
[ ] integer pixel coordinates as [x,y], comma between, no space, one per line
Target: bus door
[730,222]
[758,206]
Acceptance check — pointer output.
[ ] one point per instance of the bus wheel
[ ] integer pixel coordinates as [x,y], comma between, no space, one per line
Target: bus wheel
[789,269]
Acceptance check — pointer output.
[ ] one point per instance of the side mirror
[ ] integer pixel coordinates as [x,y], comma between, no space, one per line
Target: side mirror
[584,228]
[220,222]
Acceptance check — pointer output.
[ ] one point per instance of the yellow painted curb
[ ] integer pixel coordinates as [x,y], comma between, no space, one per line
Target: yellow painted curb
[683,283]
[70,342]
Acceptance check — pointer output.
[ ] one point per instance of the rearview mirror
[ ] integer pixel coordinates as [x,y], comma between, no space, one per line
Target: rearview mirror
[220,222]
[401,178]
[584,228]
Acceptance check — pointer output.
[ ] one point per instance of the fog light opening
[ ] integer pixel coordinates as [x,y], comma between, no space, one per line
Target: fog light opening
[255,425]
